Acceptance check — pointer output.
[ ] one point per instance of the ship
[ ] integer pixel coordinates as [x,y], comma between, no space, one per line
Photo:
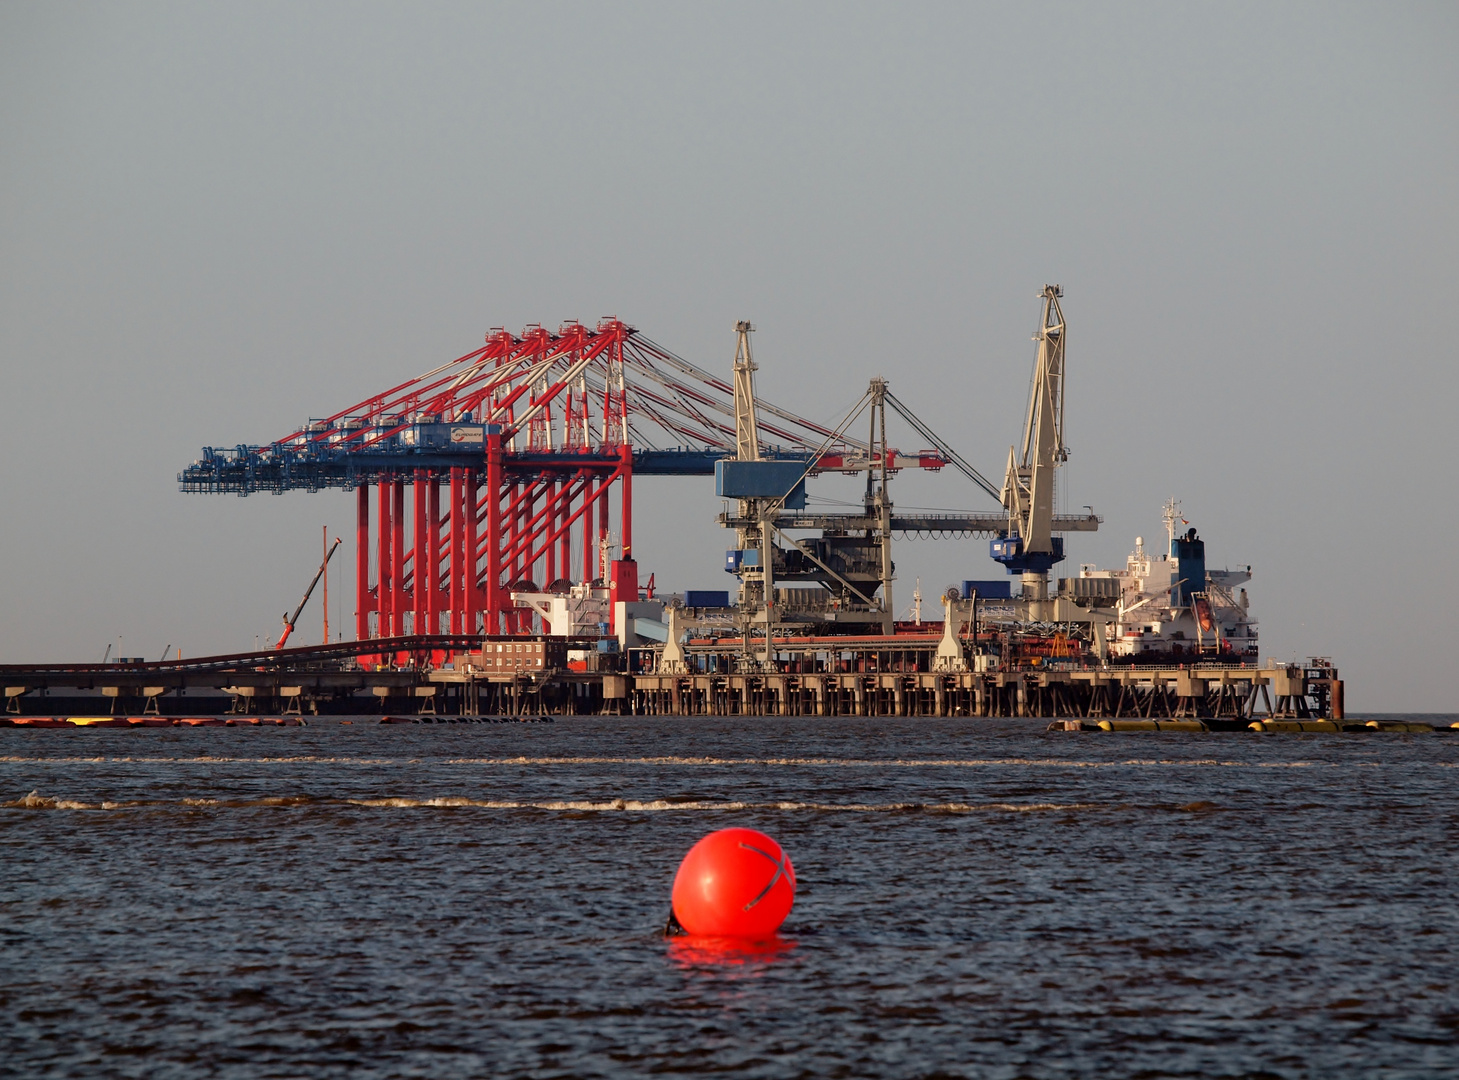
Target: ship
[1170,606]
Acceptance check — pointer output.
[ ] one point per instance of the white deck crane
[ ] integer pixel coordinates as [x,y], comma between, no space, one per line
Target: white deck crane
[1029,547]
[758,576]
[747,432]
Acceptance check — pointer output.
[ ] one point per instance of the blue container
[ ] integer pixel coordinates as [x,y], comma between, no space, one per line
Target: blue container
[761,480]
[706,598]
[1002,589]
[738,557]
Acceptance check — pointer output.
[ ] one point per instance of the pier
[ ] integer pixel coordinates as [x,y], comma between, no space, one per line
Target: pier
[515,675]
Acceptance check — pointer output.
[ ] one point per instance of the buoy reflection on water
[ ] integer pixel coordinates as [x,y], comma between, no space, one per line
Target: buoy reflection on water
[693,951]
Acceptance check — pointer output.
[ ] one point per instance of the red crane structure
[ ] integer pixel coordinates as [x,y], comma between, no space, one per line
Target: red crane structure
[501,470]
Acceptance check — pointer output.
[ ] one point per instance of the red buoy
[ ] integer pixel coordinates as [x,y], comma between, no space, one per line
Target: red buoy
[734,883]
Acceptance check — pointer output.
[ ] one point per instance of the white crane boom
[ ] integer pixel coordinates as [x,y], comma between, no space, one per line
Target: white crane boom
[1028,486]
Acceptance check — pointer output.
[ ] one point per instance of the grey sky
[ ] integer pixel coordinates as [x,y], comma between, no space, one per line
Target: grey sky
[217,220]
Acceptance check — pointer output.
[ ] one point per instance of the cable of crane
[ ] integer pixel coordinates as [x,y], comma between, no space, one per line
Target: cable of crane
[831,438]
[709,379]
[941,446]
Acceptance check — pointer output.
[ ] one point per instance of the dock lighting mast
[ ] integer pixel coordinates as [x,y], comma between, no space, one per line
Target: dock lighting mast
[1029,547]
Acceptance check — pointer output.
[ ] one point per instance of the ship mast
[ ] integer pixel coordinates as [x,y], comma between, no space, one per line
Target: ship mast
[1170,513]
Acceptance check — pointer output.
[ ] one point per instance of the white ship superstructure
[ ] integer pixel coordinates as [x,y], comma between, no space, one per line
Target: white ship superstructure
[1168,606]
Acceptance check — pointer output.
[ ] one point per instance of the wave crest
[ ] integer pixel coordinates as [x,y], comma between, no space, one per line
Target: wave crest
[37,801]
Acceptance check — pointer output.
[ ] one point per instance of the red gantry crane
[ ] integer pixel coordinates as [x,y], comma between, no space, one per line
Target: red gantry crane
[496,472]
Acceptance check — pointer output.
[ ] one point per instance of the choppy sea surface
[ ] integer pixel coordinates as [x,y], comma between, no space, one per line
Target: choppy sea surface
[976,899]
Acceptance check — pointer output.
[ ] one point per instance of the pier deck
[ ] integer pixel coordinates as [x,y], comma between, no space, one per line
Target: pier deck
[827,677]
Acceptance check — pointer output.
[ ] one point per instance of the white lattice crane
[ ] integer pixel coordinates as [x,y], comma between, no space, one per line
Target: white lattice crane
[1028,486]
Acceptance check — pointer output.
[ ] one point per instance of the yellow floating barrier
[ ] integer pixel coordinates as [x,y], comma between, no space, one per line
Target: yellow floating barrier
[99,721]
[1411,726]
[1152,725]
[1293,726]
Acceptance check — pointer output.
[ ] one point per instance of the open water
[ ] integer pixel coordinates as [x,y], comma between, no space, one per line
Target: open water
[976,898]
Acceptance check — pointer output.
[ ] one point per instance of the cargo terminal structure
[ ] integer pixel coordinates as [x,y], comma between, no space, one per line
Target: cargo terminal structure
[498,482]
[510,471]
[494,563]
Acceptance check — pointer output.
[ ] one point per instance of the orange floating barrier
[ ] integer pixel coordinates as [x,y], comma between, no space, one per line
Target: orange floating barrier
[734,883]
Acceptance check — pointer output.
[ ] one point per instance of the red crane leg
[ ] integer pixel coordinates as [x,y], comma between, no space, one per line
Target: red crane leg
[473,592]
[546,537]
[553,524]
[526,617]
[549,557]
[524,514]
[383,587]
[362,562]
[420,577]
[512,565]
[564,508]
[458,549]
[512,496]
[519,571]
[494,537]
[625,455]
[536,568]
[399,602]
[533,530]
[602,532]
[590,531]
[510,541]
[431,581]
